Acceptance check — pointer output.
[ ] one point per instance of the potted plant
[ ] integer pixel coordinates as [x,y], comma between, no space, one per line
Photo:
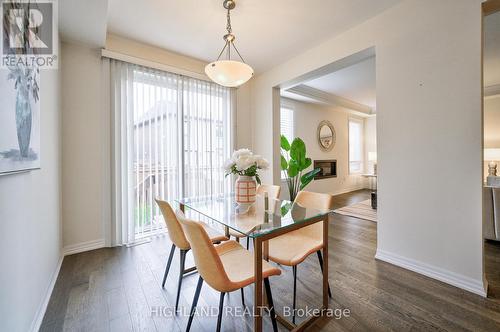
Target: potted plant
[246,165]
[294,162]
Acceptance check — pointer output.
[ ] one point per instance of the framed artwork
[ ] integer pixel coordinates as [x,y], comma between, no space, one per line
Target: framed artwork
[19,119]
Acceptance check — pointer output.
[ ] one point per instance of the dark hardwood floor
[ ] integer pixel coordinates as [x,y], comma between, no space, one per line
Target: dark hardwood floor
[114,289]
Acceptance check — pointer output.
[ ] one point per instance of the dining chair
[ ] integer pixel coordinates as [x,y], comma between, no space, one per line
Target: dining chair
[226,268]
[273,192]
[178,238]
[293,248]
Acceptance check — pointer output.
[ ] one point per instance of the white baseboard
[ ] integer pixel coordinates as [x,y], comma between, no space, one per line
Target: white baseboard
[83,246]
[40,313]
[454,279]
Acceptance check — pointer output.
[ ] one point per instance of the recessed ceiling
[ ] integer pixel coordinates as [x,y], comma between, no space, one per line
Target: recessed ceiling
[267,32]
[492,50]
[356,83]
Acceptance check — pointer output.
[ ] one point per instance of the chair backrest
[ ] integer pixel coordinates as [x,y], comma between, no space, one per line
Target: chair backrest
[314,201]
[272,190]
[175,231]
[206,259]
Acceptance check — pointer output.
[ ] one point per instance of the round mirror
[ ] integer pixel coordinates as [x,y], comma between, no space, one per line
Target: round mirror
[326,135]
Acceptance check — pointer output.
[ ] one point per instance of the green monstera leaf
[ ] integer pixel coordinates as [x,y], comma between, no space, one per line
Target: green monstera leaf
[285,207]
[306,164]
[298,151]
[284,163]
[285,145]
[293,168]
[308,177]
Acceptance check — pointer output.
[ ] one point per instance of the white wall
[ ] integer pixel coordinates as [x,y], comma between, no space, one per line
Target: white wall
[428,118]
[83,137]
[243,118]
[30,222]
[307,117]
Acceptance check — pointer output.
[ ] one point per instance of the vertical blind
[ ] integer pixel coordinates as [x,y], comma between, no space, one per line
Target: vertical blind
[286,127]
[286,123]
[207,138]
[178,139]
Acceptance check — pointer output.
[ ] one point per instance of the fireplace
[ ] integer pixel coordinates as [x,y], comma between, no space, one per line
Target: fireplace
[328,169]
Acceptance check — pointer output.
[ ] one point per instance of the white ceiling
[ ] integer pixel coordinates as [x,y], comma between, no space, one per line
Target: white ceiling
[492,49]
[267,32]
[83,21]
[356,83]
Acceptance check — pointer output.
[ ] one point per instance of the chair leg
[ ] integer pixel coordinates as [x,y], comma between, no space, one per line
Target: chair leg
[294,268]
[248,242]
[181,275]
[271,304]
[242,297]
[221,306]
[195,302]
[320,258]
[170,256]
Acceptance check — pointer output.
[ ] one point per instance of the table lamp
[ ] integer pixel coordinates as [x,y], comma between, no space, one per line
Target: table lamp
[372,156]
[492,155]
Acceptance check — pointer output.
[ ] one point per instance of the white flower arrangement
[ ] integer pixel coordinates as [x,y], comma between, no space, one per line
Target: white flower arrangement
[244,162]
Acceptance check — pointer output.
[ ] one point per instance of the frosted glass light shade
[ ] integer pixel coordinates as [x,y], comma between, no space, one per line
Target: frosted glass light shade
[229,73]
[492,154]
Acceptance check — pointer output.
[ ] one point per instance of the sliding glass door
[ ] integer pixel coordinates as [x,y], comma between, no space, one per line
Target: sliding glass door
[181,136]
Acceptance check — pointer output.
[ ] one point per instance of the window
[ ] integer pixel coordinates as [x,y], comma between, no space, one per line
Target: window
[355,146]
[286,127]
[181,138]
[287,124]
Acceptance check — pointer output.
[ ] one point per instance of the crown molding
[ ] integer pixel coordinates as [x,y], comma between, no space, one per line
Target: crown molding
[323,97]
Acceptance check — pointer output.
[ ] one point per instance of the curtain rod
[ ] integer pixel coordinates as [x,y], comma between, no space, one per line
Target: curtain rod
[152,64]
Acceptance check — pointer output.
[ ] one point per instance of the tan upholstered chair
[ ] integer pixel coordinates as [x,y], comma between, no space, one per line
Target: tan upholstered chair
[226,267]
[273,192]
[176,234]
[293,248]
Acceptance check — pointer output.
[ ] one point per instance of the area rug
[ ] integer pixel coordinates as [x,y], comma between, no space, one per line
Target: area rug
[361,210]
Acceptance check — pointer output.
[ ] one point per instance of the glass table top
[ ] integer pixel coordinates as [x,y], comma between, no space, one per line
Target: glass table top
[252,220]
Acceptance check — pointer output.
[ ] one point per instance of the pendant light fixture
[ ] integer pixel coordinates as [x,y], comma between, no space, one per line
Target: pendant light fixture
[229,73]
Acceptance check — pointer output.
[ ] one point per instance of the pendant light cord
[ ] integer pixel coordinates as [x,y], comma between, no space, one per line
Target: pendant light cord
[228,26]
[229,42]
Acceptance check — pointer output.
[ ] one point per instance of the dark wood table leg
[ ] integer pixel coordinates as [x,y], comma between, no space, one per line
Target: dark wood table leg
[325,261]
[257,302]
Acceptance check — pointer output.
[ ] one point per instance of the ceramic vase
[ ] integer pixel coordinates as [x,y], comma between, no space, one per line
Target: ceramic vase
[245,189]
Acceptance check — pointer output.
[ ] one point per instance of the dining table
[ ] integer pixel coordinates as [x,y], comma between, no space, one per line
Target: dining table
[261,221]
